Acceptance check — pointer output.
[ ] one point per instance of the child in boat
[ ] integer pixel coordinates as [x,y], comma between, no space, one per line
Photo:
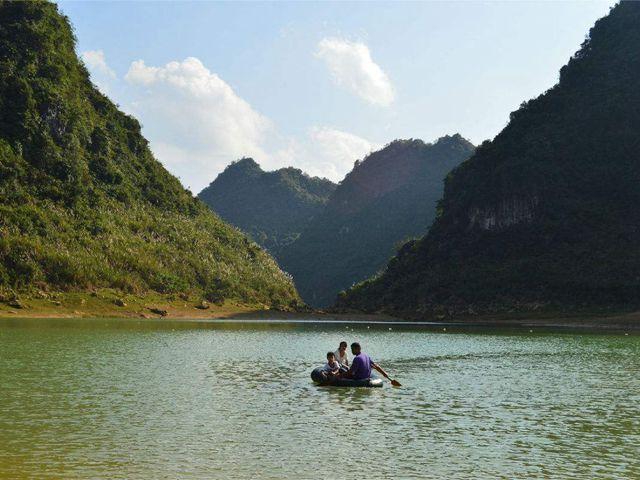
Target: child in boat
[332,367]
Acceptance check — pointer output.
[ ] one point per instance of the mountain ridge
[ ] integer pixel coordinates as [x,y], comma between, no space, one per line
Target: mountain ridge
[388,197]
[271,206]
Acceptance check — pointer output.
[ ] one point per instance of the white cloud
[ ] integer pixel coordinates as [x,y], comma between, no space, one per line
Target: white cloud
[352,67]
[101,73]
[196,123]
[95,61]
[140,73]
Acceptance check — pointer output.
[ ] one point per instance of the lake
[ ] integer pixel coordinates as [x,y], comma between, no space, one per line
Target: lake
[155,400]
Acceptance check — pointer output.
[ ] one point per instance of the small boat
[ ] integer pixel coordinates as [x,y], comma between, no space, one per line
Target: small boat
[371,382]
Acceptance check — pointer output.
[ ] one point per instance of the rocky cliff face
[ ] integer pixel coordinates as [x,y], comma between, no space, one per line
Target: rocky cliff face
[508,212]
[546,213]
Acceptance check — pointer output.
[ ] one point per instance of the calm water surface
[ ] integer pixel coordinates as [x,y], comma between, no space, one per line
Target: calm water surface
[125,399]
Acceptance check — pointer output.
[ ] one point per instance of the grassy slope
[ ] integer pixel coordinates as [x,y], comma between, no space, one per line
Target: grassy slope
[84,204]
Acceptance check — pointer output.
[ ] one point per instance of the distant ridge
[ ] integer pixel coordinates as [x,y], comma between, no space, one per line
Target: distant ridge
[388,197]
[272,207]
[545,216]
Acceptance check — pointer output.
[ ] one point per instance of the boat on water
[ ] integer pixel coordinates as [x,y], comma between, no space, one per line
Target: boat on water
[320,379]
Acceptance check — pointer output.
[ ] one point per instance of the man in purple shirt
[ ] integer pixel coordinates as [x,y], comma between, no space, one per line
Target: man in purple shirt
[362,364]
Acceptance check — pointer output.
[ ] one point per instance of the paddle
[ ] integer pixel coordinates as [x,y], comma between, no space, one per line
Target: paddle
[395,383]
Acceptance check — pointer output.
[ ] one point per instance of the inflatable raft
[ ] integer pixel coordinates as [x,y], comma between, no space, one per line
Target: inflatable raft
[317,377]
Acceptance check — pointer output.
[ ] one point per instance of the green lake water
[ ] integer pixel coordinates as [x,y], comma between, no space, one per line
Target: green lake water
[109,399]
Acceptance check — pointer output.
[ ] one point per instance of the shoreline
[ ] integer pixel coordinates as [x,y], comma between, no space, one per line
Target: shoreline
[112,305]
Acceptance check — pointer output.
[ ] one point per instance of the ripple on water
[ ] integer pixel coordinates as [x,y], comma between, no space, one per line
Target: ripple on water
[237,402]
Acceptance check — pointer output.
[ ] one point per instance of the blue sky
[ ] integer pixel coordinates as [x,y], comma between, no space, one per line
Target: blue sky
[318,85]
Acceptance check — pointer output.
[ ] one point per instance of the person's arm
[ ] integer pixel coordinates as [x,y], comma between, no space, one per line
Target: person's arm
[395,383]
[349,372]
[380,369]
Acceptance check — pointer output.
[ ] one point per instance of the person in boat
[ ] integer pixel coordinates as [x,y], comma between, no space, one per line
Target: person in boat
[332,367]
[362,364]
[341,355]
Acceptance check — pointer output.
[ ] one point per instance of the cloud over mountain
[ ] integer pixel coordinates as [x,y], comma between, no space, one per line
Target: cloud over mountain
[334,151]
[199,122]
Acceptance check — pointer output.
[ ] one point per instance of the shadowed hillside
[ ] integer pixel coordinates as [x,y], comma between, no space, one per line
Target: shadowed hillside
[547,214]
[388,197]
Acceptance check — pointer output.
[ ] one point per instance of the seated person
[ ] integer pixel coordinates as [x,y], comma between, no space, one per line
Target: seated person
[342,357]
[332,367]
[362,364]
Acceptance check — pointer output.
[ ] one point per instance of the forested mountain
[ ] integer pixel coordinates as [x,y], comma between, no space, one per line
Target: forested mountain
[388,197]
[547,215]
[83,203]
[272,207]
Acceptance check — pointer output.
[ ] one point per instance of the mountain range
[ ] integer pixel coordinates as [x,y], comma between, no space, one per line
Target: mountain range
[328,237]
[389,197]
[543,217]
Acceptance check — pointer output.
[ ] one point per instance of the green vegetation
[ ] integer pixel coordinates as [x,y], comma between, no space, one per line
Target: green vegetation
[83,203]
[546,215]
[389,197]
[272,207]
